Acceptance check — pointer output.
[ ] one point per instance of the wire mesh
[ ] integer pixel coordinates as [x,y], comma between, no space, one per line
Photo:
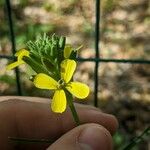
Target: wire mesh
[97,59]
[13,44]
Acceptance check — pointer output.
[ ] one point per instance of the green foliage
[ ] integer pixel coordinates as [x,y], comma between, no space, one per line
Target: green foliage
[46,54]
[30,32]
[47,47]
[2,2]
[121,141]
[138,139]
[48,7]
[87,28]
[23,2]
[118,139]
[8,79]
[109,5]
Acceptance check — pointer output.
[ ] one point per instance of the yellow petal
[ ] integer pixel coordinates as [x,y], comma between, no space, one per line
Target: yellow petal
[67,51]
[58,104]
[19,61]
[13,65]
[78,89]
[68,67]
[44,81]
[21,53]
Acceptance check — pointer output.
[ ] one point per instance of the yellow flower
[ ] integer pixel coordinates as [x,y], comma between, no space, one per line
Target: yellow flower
[77,89]
[19,54]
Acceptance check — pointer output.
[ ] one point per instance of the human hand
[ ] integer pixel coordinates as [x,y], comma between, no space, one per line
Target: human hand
[31,117]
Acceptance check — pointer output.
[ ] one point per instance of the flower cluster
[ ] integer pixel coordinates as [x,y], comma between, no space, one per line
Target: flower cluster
[54,64]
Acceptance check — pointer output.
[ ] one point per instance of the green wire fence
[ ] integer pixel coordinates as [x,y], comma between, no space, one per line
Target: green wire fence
[97,60]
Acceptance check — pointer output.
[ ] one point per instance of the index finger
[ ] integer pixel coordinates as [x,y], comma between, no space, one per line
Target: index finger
[32,118]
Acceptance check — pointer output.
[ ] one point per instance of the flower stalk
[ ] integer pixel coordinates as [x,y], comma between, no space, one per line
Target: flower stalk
[54,63]
[72,108]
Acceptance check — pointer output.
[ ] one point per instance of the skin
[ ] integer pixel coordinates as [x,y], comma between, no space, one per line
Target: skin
[31,117]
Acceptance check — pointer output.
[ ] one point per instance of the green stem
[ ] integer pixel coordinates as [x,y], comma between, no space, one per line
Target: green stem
[138,139]
[72,108]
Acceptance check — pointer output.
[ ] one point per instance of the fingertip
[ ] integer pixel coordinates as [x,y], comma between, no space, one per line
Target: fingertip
[95,137]
[113,123]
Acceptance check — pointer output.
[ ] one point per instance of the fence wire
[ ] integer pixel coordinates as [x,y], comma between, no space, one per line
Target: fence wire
[97,59]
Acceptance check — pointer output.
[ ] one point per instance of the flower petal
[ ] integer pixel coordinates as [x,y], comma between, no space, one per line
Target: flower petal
[78,89]
[44,81]
[21,53]
[67,51]
[68,67]
[59,103]
[19,61]
[14,64]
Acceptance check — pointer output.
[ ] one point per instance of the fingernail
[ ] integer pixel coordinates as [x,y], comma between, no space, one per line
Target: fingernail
[94,138]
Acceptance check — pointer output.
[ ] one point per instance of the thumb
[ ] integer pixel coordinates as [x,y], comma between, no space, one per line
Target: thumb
[84,137]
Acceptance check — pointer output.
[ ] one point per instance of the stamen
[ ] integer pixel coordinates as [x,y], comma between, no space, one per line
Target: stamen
[61,84]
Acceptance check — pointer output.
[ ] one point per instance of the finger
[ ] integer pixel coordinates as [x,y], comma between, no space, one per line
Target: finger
[89,114]
[35,119]
[86,113]
[84,137]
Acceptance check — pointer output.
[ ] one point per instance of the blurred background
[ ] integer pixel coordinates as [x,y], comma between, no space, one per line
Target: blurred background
[124,88]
